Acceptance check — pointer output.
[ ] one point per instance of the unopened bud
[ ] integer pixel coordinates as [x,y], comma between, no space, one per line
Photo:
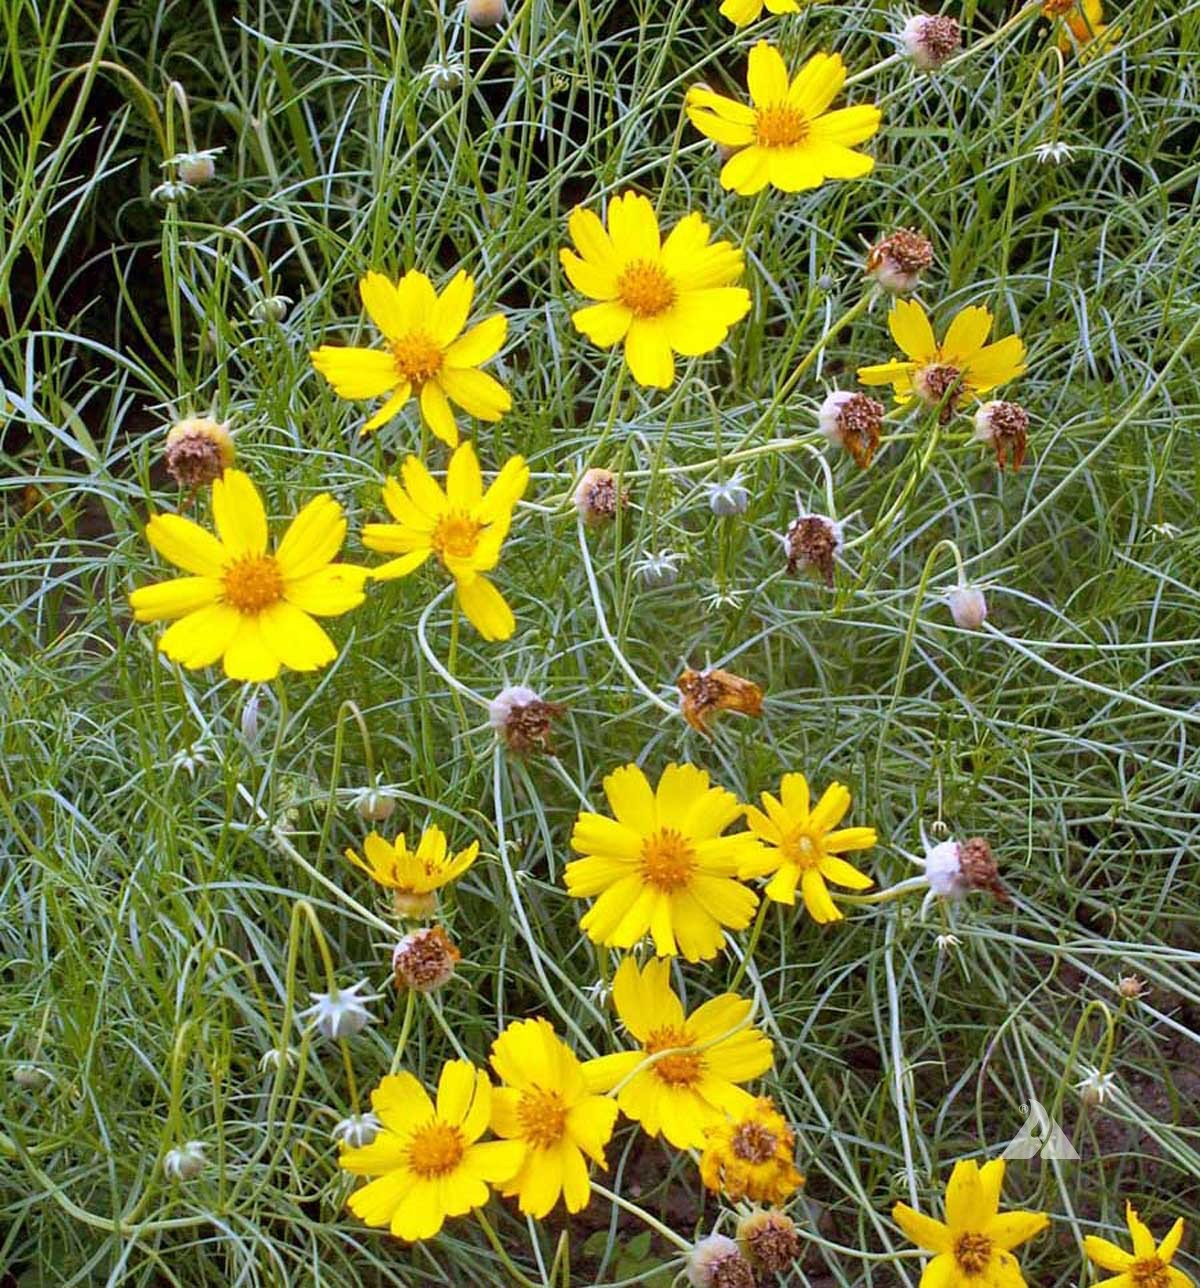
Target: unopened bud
[446,77]
[658,569]
[729,497]
[374,804]
[897,261]
[967,606]
[198,450]
[30,1078]
[485,13]
[424,960]
[1131,987]
[931,39]
[185,1162]
[272,308]
[357,1131]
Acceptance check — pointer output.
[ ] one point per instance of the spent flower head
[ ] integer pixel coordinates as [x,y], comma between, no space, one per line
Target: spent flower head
[522,719]
[424,960]
[931,40]
[899,260]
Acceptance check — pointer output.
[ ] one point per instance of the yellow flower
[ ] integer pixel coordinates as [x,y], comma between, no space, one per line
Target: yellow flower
[413,875]
[684,1093]
[429,1163]
[752,1156]
[547,1106]
[241,603]
[428,356]
[743,12]
[464,526]
[1147,1266]
[660,297]
[1083,20]
[962,366]
[974,1245]
[661,865]
[802,849]
[788,138]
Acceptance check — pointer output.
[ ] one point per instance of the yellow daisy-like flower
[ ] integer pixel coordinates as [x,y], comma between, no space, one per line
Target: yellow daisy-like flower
[693,1086]
[547,1106]
[464,526]
[1084,20]
[429,1162]
[428,356]
[743,12]
[802,849]
[660,297]
[1148,1265]
[974,1245]
[962,366]
[752,1156]
[241,603]
[661,865]
[413,876]
[789,138]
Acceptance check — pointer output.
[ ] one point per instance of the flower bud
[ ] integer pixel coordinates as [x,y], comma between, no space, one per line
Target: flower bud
[598,496]
[717,1262]
[897,261]
[357,1131]
[249,721]
[185,1162]
[1006,426]
[658,569]
[813,542]
[931,39]
[728,498]
[770,1241]
[967,606]
[198,450]
[447,77]
[272,308]
[424,960]
[521,719]
[341,1012]
[30,1078]
[275,1060]
[853,421]
[1131,987]
[197,168]
[485,13]
[374,804]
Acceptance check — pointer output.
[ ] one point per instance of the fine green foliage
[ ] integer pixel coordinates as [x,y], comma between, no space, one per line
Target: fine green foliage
[172,885]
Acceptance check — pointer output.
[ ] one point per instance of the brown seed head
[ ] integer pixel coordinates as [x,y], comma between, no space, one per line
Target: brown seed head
[424,960]
[897,261]
[198,450]
[770,1241]
[812,542]
[598,496]
[1006,426]
[978,866]
[522,720]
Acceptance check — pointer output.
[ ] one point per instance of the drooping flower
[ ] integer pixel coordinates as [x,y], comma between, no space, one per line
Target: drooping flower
[414,876]
[598,497]
[522,719]
[1148,1265]
[464,526]
[968,606]
[974,1245]
[427,356]
[743,12]
[429,1163]
[545,1104]
[752,1156]
[241,603]
[705,693]
[662,864]
[788,138]
[801,847]
[691,1085]
[659,297]
[961,367]
[953,869]
[1005,425]
[813,542]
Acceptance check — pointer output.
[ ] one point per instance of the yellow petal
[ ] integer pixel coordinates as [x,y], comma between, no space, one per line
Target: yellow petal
[421,487]
[506,490]
[200,638]
[767,76]
[730,134]
[996,364]
[453,307]
[821,907]
[648,354]
[741,12]
[486,609]
[477,393]
[437,414]
[598,282]
[604,324]
[700,320]
[830,809]
[887,373]
[1107,1255]
[382,302]
[747,172]
[841,873]
[1143,1240]
[592,242]
[464,483]
[967,335]
[633,227]
[249,657]
[187,545]
[313,538]
[909,325]
[295,638]
[847,126]
[399,397]
[174,598]
[631,799]
[794,169]
[728,109]
[396,568]
[480,343]
[417,300]
[817,84]
[330,591]
[239,516]
[356,373]
[1010,1229]
[922,1230]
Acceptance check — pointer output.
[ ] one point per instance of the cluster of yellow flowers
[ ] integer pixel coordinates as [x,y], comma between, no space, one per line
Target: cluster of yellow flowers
[664,864]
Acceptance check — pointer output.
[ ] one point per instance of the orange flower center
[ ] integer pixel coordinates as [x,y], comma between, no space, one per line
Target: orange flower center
[668,860]
[801,848]
[456,534]
[780,126]
[253,583]
[543,1117]
[681,1070]
[417,357]
[646,288]
[1150,1273]
[436,1149]
[972,1252]
[753,1143]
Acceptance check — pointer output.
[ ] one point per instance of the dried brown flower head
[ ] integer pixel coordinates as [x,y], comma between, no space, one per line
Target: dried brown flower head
[939,385]
[522,719]
[854,421]
[705,693]
[198,450]
[897,261]
[931,39]
[813,542]
[770,1241]
[424,960]
[978,867]
[1006,426]
[598,496]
